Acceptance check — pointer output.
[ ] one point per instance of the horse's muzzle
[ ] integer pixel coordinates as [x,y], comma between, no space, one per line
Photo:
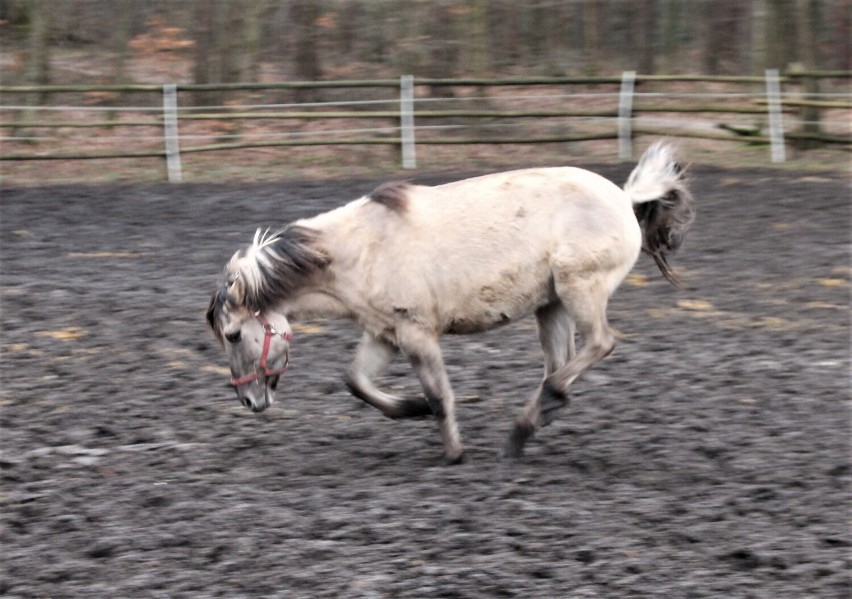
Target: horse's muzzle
[253,405]
[265,399]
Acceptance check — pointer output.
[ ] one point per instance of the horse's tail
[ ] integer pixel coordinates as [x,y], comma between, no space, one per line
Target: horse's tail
[662,204]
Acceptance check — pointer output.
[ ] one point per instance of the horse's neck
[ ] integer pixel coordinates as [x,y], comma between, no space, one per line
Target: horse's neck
[315,303]
[335,292]
[318,298]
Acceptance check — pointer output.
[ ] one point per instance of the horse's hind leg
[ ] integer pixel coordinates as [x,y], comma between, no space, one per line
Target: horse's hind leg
[371,359]
[587,306]
[556,334]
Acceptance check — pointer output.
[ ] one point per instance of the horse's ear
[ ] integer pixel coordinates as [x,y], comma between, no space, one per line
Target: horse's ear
[237,290]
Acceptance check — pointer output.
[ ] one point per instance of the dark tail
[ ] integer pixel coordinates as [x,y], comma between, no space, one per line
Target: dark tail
[662,204]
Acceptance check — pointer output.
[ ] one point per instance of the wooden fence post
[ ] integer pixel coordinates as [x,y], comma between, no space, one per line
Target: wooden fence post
[776,120]
[170,131]
[625,115]
[406,121]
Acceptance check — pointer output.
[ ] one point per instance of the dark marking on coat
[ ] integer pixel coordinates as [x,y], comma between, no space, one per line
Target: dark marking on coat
[392,195]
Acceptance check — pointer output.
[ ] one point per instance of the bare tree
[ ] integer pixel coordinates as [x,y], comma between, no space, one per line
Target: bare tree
[37,69]
[840,20]
[304,15]
[204,44]
[807,28]
[648,45]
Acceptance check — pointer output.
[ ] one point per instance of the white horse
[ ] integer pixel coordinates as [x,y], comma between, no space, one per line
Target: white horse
[409,263]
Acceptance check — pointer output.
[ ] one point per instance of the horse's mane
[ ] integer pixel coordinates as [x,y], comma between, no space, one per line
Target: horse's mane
[274,266]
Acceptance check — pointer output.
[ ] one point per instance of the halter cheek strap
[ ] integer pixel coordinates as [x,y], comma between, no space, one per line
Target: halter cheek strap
[269,332]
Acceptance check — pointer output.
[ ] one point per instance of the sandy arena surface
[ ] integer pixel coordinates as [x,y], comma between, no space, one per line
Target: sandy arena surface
[708,456]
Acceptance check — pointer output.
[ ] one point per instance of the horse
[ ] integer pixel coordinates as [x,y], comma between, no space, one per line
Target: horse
[409,263]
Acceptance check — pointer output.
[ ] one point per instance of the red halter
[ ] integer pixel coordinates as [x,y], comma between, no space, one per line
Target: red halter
[269,332]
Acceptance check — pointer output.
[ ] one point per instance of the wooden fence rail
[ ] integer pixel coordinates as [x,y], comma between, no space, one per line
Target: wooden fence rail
[751,99]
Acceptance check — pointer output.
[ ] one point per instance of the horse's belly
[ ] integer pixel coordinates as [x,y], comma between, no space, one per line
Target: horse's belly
[498,302]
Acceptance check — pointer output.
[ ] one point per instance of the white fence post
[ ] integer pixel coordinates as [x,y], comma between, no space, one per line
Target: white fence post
[776,116]
[170,130]
[406,121]
[625,114]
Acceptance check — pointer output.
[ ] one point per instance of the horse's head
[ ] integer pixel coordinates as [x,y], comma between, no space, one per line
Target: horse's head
[244,313]
[257,344]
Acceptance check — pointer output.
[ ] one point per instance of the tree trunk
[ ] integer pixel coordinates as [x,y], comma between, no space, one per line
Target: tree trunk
[478,38]
[443,53]
[807,35]
[782,34]
[350,18]
[304,14]
[230,40]
[759,32]
[714,18]
[591,39]
[672,51]
[841,35]
[648,37]
[120,46]
[204,29]
[37,70]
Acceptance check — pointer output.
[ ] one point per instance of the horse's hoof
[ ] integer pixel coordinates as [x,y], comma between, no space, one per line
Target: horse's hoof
[512,452]
[452,461]
[517,439]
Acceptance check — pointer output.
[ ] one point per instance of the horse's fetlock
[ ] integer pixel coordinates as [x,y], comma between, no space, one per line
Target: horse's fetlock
[454,458]
[411,408]
[551,392]
[437,406]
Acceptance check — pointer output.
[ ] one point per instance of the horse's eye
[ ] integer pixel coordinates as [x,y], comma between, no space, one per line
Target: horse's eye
[233,337]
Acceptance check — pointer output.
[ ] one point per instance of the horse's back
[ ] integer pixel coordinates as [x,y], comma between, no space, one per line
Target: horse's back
[533,184]
[534,207]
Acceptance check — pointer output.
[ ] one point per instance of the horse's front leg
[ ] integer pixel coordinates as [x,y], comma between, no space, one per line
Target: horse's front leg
[424,352]
[371,359]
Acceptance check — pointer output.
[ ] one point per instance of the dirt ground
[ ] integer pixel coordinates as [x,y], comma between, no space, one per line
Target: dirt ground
[707,457]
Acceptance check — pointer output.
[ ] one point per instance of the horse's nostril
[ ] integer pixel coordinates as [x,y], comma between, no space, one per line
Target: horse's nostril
[246,402]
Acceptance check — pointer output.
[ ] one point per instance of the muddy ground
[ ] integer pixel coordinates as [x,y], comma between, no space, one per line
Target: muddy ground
[707,457]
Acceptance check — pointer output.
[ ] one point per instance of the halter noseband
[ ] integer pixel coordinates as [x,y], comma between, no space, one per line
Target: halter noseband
[269,332]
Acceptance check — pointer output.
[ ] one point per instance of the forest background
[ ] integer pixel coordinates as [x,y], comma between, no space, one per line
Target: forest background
[70,42]
[243,40]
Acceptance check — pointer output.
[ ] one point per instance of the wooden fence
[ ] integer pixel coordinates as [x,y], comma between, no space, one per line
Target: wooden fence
[605,108]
